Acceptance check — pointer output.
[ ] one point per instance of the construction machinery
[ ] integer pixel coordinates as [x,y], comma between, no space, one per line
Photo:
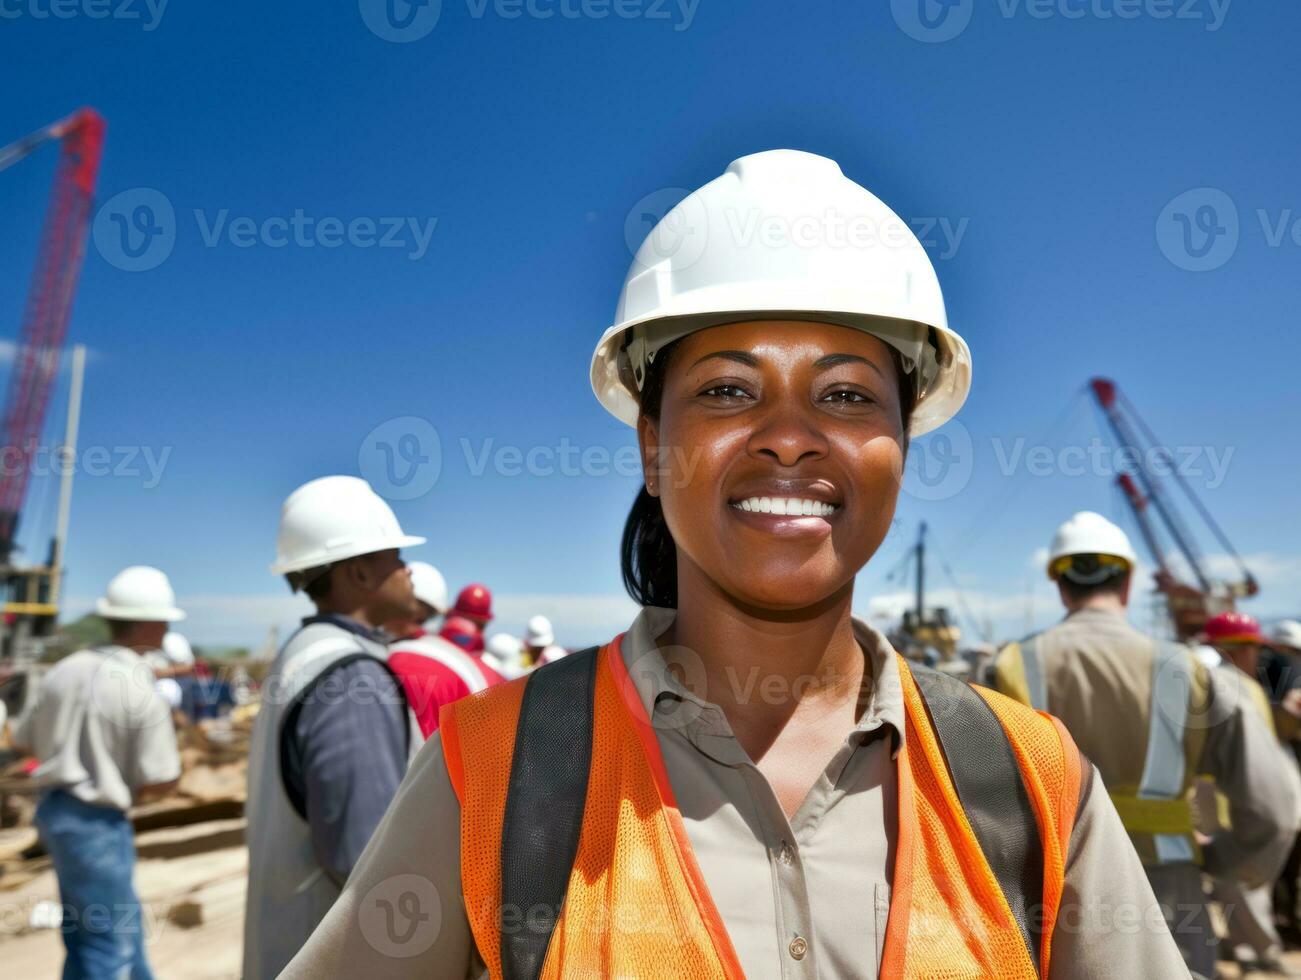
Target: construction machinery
[924,628]
[31,591]
[1192,594]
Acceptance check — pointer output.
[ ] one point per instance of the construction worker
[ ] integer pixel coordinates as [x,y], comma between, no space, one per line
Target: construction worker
[334,733]
[540,643]
[105,741]
[504,653]
[1152,717]
[1253,938]
[434,671]
[474,604]
[750,781]
[430,591]
[1285,644]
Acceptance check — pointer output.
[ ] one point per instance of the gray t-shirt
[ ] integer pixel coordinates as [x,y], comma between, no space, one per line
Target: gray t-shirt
[99,728]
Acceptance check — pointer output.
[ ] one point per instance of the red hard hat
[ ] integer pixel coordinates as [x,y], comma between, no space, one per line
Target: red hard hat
[463,632]
[1233,628]
[474,601]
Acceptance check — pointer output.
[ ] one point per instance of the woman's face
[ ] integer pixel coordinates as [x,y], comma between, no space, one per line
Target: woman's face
[777,457]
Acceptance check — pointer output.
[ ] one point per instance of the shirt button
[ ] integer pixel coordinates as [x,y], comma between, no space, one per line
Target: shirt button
[798,947]
[787,854]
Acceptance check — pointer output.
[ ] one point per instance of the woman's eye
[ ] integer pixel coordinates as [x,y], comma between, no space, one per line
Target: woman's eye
[845,396]
[725,391]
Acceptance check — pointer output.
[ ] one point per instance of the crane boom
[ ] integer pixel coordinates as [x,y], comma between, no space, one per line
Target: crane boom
[49,301]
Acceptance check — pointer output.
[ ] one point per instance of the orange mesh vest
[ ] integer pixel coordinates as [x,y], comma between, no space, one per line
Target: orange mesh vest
[637,904]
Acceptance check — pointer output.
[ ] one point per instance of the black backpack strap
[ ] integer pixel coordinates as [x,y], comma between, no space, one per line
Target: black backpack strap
[544,807]
[988,780]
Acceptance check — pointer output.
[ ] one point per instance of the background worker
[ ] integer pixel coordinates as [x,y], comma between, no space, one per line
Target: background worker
[434,671]
[430,591]
[463,633]
[1152,718]
[105,741]
[540,646]
[474,605]
[504,653]
[1253,938]
[173,666]
[334,734]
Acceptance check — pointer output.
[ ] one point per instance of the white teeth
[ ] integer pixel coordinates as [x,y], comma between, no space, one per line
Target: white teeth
[793,506]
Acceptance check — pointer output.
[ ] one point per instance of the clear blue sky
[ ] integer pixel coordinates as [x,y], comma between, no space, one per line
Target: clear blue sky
[1054,142]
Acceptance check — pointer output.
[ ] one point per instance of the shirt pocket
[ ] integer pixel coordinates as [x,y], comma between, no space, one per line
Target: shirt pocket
[881,916]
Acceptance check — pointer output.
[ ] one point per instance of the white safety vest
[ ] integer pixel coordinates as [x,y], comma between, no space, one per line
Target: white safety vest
[288,890]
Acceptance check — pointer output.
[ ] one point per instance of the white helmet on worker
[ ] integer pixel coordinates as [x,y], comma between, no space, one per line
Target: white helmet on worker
[784,235]
[1286,634]
[140,594]
[1088,549]
[429,586]
[334,518]
[539,632]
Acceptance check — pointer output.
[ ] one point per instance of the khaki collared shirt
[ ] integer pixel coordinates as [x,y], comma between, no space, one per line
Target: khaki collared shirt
[822,878]
[100,729]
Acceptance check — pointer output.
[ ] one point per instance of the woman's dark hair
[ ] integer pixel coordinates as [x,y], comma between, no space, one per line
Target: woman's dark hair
[647,554]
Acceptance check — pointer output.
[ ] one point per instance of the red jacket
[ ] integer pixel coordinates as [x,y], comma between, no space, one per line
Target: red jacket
[435,672]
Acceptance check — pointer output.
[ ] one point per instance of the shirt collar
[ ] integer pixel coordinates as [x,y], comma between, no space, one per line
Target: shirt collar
[671,703]
[346,623]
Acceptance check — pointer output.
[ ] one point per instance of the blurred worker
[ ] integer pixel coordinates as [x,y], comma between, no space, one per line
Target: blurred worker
[474,605]
[540,643]
[434,671]
[334,732]
[105,740]
[1152,717]
[173,666]
[505,654]
[430,591]
[1285,644]
[463,633]
[1249,912]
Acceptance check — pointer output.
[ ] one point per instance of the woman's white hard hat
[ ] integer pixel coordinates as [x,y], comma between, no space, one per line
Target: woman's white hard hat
[784,235]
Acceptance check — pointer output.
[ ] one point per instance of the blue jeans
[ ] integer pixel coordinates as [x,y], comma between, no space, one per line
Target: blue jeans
[94,856]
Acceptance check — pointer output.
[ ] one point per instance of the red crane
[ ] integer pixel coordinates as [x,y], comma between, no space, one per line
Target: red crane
[1190,604]
[49,301]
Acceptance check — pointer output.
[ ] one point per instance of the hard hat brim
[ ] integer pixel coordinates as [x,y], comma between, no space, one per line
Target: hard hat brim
[139,614]
[366,548]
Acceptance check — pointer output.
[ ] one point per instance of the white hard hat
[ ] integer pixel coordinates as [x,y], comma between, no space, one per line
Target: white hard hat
[1088,533]
[504,647]
[141,594]
[333,518]
[1287,633]
[177,648]
[1207,656]
[784,235]
[429,585]
[539,633]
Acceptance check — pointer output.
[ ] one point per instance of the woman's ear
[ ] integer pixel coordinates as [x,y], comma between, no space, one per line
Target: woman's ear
[648,437]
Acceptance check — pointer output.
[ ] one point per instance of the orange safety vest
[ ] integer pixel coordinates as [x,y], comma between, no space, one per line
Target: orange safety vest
[636,902]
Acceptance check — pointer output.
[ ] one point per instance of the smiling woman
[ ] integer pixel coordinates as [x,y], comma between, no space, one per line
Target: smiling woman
[750,781]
